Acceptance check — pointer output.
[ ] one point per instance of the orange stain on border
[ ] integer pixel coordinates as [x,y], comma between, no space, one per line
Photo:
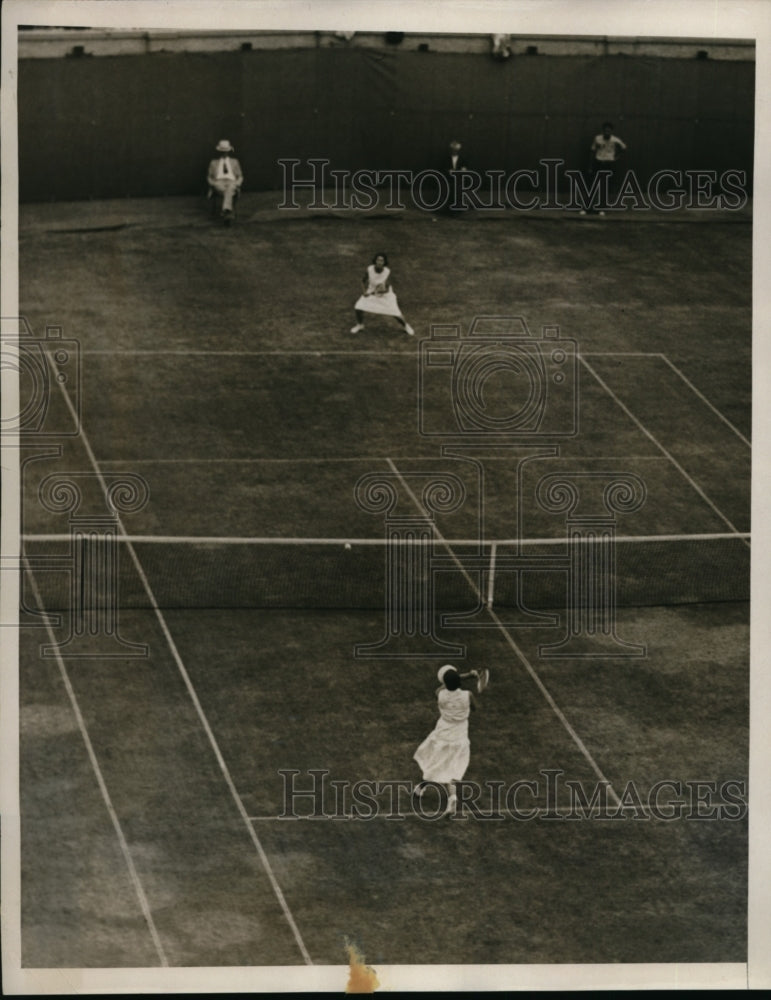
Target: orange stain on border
[362,978]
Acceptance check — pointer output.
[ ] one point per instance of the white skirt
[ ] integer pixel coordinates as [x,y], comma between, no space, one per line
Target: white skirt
[384,305]
[443,760]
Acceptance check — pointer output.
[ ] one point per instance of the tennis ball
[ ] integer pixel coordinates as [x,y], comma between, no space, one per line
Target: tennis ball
[348,545]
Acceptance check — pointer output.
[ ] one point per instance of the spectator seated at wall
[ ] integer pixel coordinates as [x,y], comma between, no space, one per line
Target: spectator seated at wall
[225,176]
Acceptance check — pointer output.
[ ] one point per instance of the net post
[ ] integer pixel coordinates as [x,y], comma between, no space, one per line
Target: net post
[491,575]
[479,455]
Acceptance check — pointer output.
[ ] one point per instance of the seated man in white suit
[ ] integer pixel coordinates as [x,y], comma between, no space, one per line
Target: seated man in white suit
[225,175]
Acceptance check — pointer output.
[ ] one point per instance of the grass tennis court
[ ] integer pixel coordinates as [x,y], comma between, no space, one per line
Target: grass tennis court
[217,365]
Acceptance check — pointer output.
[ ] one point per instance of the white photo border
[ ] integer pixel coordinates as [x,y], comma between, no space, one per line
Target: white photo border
[750,20]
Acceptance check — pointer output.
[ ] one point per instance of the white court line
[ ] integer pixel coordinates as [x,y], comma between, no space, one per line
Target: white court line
[523,659]
[138,888]
[676,370]
[247,460]
[278,540]
[704,399]
[664,451]
[331,460]
[180,352]
[200,352]
[533,812]
[197,704]
[249,354]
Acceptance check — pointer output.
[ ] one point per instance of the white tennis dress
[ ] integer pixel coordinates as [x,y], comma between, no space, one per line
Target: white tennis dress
[444,755]
[383,303]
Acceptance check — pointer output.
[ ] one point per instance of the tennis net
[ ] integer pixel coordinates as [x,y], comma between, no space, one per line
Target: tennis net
[138,571]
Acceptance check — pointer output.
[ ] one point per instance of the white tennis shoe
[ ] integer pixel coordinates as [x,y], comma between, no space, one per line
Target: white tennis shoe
[409,330]
[358,328]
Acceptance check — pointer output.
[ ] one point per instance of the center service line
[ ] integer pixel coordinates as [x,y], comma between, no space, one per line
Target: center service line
[523,659]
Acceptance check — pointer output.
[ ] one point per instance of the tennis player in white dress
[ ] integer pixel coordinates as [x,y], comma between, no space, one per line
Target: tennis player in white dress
[378,296]
[444,755]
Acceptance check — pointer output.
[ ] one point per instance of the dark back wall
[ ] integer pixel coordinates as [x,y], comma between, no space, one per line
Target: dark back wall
[103,127]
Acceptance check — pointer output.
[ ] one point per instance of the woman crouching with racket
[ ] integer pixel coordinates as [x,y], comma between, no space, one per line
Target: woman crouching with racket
[378,296]
[443,756]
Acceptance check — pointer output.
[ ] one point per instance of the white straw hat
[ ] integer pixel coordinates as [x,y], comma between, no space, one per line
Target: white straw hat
[443,670]
[223,146]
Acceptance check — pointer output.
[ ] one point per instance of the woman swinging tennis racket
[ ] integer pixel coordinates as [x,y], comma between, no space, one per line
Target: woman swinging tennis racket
[443,756]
